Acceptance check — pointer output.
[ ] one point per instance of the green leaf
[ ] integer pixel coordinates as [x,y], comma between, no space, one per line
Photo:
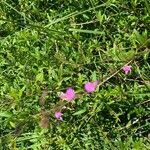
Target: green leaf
[20,92]
[39,77]
[5,114]
[94,75]
[100,16]
[12,124]
[80,112]
[128,124]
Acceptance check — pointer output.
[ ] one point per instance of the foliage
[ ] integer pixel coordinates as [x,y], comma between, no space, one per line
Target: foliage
[47,46]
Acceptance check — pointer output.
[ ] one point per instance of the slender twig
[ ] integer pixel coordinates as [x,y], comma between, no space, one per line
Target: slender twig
[114,73]
[20,13]
[84,23]
[147,101]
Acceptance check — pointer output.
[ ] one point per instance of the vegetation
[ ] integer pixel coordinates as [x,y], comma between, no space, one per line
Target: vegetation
[47,46]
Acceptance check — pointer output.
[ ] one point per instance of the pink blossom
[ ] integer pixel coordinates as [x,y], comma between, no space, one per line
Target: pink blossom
[69,95]
[126,69]
[58,115]
[91,86]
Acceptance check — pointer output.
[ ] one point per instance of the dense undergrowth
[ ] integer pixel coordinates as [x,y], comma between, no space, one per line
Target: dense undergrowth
[47,46]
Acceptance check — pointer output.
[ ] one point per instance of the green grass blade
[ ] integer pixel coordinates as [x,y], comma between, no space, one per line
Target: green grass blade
[86,31]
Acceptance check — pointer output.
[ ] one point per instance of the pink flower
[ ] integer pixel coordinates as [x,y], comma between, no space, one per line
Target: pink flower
[91,86]
[69,95]
[58,115]
[126,69]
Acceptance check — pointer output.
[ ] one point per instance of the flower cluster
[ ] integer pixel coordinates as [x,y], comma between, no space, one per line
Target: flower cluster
[70,95]
[89,87]
[126,69]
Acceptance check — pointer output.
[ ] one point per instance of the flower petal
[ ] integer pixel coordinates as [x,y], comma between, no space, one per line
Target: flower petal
[70,94]
[91,86]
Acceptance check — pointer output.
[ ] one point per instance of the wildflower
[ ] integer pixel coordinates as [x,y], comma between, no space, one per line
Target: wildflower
[58,115]
[91,86]
[126,69]
[69,95]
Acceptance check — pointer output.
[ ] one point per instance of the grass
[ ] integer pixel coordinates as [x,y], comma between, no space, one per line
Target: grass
[47,46]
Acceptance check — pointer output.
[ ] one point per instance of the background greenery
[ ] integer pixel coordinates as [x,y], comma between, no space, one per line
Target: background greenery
[47,46]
